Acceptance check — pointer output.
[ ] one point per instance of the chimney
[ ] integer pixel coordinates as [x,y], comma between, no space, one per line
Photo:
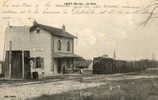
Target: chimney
[35,22]
[63,28]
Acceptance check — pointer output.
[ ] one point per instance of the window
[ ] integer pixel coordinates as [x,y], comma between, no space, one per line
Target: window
[68,64]
[39,62]
[59,45]
[68,46]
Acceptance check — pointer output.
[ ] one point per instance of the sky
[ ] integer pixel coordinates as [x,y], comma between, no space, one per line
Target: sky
[98,34]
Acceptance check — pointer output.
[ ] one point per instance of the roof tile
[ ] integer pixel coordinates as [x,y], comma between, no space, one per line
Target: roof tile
[53,30]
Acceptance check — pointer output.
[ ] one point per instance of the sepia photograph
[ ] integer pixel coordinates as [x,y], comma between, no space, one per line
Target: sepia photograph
[78,50]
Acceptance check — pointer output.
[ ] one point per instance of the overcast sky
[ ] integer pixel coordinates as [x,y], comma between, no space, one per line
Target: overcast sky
[99,34]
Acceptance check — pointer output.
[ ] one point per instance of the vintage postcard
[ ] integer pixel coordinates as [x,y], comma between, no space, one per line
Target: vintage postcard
[78,50]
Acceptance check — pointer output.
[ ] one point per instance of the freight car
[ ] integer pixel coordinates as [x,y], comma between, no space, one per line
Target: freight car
[102,65]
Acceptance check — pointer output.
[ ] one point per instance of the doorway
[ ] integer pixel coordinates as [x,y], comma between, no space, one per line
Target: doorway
[59,66]
[17,58]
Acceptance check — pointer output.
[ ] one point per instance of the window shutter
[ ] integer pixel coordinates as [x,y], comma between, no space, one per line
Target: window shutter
[34,63]
[53,68]
[38,62]
[42,63]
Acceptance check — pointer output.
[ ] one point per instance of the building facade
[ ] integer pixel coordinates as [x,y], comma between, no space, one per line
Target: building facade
[38,49]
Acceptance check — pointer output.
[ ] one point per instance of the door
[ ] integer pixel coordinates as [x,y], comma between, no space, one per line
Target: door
[59,65]
[16,64]
[27,66]
[6,65]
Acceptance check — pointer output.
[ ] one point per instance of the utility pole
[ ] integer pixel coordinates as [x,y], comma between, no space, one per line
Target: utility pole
[10,58]
[153,56]
[23,58]
[23,65]
[114,54]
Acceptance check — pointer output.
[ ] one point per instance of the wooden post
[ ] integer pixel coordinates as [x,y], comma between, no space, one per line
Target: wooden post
[72,47]
[10,58]
[23,67]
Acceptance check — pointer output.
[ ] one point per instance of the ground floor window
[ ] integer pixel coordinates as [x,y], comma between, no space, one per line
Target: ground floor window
[37,62]
[69,63]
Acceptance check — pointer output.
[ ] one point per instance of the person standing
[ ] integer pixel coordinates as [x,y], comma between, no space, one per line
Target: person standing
[63,69]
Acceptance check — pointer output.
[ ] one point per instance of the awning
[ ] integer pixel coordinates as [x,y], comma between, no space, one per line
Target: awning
[65,55]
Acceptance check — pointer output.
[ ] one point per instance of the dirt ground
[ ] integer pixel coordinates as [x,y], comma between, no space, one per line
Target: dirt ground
[131,86]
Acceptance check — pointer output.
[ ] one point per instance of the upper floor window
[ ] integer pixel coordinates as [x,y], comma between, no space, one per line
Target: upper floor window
[59,44]
[68,46]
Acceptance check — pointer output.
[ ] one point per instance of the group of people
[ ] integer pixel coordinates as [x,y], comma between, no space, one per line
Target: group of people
[64,70]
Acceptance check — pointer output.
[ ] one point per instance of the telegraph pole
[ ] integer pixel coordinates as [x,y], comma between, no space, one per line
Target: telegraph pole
[23,66]
[153,56]
[114,54]
[10,58]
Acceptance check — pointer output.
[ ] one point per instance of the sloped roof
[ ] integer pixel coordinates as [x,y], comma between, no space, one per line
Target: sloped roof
[53,30]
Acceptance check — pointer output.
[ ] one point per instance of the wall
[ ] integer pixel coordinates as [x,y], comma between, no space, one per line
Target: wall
[19,37]
[63,45]
[39,44]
